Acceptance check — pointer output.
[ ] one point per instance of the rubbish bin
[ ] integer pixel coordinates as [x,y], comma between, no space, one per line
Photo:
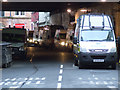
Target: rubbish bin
[6,54]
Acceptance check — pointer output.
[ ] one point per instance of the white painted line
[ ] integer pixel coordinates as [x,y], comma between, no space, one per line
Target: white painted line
[37,78]
[113,78]
[93,75]
[59,85]
[60,78]
[14,87]
[25,78]
[28,82]
[20,83]
[96,78]
[80,78]
[61,66]
[61,71]
[43,78]
[14,83]
[13,79]
[2,83]
[97,83]
[105,83]
[31,79]
[111,87]
[7,83]
[91,82]
[38,82]
[7,79]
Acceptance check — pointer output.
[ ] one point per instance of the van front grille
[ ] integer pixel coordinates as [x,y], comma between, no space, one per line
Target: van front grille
[98,57]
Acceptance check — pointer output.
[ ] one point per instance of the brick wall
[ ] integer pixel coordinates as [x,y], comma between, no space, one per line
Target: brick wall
[7,20]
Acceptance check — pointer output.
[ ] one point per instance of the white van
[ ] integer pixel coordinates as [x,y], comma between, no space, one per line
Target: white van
[94,41]
[60,39]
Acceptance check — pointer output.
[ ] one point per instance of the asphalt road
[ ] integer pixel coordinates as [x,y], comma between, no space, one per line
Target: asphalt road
[53,69]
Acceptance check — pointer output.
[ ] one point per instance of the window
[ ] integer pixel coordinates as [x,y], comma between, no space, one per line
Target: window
[18,13]
[22,13]
[2,13]
[97,35]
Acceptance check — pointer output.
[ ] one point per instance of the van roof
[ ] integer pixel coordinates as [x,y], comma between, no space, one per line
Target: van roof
[92,21]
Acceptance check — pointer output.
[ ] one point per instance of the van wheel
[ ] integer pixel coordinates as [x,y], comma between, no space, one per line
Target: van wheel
[80,66]
[10,64]
[113,66]
[5,65]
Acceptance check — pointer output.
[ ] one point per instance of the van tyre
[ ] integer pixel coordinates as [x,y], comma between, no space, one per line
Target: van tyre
[80,66]
[114,66]
[10,64]
[5,65]
[76,62]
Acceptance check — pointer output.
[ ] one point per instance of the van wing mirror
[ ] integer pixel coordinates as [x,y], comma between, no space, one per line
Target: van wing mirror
[75,40]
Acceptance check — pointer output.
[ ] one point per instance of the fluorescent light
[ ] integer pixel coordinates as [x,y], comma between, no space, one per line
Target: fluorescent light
[83,10]
[4,0]
[103,0]
[69,10]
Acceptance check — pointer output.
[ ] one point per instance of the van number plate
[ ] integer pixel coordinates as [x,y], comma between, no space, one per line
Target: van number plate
[98,60]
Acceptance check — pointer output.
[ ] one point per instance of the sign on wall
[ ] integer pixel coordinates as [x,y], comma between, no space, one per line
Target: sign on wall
[19,25]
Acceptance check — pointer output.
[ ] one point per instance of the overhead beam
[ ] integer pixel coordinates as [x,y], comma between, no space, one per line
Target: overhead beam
[43,6]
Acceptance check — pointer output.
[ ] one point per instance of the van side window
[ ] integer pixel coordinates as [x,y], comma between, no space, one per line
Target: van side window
[76,30]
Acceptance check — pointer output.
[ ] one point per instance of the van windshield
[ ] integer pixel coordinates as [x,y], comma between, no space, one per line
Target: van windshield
[62,35]
[97,35]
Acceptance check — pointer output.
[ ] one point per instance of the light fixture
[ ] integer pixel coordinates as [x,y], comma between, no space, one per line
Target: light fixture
[83,10]
[4,0]
[103,0]
[69,10]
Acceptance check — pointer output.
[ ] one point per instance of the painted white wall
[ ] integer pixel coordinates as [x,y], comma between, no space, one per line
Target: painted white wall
[44,17]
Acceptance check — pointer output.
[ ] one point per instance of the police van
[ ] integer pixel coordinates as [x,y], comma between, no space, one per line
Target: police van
[94,41]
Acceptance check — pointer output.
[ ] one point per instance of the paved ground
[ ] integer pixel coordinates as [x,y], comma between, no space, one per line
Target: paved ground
[55,69]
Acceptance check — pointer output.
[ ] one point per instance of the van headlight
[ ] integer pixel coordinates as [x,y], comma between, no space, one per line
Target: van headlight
[113,49]
[27,39]
[83,49]
[62,43]
[66,44]
[30,40]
